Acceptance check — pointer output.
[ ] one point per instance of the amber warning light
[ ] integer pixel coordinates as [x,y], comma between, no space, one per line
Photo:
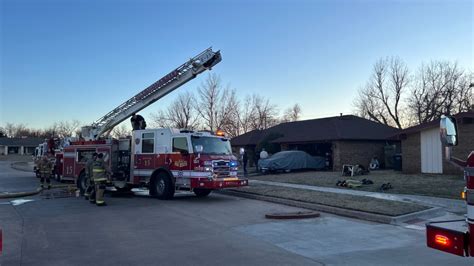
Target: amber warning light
[442,240]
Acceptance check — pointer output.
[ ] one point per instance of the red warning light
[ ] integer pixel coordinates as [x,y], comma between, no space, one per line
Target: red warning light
[442,240]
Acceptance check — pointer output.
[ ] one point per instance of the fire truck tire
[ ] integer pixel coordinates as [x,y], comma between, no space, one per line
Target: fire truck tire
[81,183]
[202,192]
[161,186]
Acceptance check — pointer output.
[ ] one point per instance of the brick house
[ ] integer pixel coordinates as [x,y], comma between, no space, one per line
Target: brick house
[344,139]
[422,150]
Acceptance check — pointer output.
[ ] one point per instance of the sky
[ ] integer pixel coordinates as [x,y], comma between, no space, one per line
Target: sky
[79,59]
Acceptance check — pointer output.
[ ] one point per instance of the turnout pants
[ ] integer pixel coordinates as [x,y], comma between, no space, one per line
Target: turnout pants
[45,179]
[99,191]
[89,188]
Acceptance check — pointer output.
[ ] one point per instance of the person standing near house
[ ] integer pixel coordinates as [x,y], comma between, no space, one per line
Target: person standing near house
[244,161]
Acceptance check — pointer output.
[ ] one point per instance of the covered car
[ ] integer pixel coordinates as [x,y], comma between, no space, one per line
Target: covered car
[291,160]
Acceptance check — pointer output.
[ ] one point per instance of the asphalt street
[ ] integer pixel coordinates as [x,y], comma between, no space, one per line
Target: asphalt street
[12,180]
[56,228]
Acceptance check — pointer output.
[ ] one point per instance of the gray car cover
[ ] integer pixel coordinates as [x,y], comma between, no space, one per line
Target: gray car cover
[292,160]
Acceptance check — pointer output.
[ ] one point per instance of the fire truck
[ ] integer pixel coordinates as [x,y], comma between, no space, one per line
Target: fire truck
[164,159]
[455,236]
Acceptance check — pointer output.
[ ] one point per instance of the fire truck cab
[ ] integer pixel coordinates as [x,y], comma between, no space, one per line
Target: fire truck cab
[163,160]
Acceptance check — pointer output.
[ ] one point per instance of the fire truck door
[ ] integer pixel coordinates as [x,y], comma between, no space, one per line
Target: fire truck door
[182,161]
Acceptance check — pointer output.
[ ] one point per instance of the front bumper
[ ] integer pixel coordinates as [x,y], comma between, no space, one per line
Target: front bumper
[218,183]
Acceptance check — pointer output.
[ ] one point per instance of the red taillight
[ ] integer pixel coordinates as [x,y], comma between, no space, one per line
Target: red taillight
[442,240]
[448,236]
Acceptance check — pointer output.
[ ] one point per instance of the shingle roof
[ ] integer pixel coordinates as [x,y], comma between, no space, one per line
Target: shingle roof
[460,117]
[347,127]
[27,142]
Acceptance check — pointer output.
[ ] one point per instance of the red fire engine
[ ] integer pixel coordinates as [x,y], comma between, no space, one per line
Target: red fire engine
[455,236]
[165,159]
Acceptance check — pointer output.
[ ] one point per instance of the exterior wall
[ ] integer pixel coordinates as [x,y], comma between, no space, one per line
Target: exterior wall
[431,151]
[463,149]
[411,154]
[356,152]
[411,151]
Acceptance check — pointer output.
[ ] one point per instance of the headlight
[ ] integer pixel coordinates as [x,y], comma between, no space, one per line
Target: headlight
[207,163]
[233,163]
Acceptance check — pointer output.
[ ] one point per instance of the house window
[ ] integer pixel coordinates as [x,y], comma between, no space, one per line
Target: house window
[148,142]
[180,145]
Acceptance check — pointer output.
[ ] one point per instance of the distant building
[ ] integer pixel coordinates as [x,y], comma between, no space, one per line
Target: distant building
[20,146]
[346,139]
[422,151]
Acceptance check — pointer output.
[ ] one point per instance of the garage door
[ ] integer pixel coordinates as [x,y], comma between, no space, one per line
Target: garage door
[431,152]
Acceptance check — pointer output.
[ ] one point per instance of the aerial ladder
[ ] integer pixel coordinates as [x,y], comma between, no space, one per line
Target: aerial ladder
[173,80]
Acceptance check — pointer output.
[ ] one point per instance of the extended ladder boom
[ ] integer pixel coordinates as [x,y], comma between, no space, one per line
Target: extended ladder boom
[176,78]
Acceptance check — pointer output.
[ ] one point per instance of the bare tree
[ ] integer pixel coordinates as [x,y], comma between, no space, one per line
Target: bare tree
[209,93]
[265,113]
[441,88]
[180,114]
[381,99]
[16,130]
[227,117]
[121,131]
[246,115]
[292,113]
[66,128]
[216,105]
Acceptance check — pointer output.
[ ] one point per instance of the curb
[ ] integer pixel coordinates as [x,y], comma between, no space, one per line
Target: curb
[9,195]
[380,218]
[435,211]
[293,215]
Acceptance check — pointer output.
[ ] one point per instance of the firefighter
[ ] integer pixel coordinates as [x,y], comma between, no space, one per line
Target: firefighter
[45,168]
[99,171]
[89,182]
[138,122]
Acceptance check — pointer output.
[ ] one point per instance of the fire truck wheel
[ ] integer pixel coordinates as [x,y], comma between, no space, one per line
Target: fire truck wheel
[161,186]
[202,192]
[81,183]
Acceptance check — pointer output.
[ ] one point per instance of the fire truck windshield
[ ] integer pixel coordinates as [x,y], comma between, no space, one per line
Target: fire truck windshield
[212,145]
